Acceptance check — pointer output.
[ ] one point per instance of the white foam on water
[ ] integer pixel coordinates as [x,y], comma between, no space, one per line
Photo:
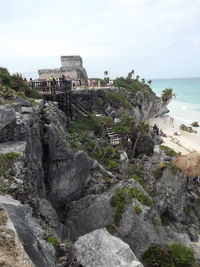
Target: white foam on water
[185,113]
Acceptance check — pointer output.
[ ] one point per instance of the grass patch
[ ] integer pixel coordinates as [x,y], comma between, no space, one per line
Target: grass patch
[6,161]
[169,151]
[53,241]
[137,209]
[157,173]
[173,255]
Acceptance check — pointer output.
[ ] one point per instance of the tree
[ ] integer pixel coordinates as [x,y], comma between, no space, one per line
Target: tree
[143,80]
[141,130]
[106,73]
[137,77]
[149,82]
[130,74]
[167,95]
[5,77]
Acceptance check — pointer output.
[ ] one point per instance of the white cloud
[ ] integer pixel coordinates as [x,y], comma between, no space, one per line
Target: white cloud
[136,32]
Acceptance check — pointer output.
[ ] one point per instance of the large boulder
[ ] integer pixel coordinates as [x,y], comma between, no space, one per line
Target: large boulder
[185,128]
[99,248]
[195,124]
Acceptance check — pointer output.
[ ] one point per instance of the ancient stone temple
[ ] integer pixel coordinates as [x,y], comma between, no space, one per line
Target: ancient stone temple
[71,67]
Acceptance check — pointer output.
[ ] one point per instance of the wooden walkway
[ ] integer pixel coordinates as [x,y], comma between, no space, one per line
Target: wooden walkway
[52,87]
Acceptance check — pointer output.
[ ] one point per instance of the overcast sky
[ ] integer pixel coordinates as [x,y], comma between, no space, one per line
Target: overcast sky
[156,38]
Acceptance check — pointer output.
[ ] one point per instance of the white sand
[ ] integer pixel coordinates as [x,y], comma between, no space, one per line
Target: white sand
[185,142]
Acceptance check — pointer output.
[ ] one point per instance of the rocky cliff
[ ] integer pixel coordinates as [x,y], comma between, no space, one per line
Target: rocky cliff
[60,196]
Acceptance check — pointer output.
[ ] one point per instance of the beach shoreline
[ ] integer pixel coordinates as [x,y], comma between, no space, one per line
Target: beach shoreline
[184,142]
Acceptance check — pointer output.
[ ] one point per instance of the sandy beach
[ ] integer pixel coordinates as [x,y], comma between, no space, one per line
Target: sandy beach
[184,142]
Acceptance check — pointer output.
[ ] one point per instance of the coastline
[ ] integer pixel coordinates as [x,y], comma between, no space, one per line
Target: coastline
[184,142]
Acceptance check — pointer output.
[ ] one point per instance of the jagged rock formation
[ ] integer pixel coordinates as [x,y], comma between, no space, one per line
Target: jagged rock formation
[27,230]
[99,248]
[143,106]
[135,229]
[66,194]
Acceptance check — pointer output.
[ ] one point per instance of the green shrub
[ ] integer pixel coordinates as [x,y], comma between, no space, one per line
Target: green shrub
[33,93]
[6,161]
[181,255]
[157,173]
[156,256]
[5,77]
[112,165]
[118,98]
[169,151]
[124,196]
[137,209]
[53,241]
[174,255]
[156,223]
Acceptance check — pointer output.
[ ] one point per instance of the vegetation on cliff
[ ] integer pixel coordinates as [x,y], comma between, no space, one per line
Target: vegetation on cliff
[14,85]
[175,255]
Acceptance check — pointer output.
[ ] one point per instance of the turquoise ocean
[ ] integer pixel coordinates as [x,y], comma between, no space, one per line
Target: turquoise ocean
[185,108]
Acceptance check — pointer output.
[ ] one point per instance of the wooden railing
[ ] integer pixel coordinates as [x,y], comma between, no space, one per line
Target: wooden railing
[52,87]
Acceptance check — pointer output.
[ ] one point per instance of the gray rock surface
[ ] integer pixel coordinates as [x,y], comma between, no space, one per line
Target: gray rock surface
[140,231]
[101,249]
[67,172]
[28,232]
[7,123]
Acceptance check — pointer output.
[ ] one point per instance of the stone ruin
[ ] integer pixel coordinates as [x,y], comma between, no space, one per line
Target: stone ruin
[71,67]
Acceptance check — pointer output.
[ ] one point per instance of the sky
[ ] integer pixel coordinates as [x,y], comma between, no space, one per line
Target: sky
[156,38]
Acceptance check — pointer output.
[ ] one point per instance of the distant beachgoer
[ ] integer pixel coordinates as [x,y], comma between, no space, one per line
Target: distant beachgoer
[175,133]
[30,82]
[156,129]
[162,133]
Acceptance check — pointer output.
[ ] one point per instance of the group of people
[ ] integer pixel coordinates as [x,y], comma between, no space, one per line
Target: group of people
[53,84]
[158,132]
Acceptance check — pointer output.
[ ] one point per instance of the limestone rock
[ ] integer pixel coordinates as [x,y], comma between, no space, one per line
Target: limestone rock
[185,128]
[99,248]
[7,123]
[67,172]
[195,124]
[94,211]
[28,231]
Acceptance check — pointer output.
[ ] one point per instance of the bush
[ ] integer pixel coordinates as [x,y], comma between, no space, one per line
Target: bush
[124,196]
[157,173]
[137,209]
[6,161]
[33,93]
[118,98]
[174,255]
[181,255]
[169,151]
[53,241]
[5,77]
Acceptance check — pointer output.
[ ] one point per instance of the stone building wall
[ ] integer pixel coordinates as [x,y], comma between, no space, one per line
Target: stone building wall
[71,66]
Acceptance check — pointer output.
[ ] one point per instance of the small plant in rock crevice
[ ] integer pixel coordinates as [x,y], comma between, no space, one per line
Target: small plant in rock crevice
[123,197]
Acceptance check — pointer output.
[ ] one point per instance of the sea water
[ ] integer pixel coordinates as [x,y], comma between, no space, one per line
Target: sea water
[185,107]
